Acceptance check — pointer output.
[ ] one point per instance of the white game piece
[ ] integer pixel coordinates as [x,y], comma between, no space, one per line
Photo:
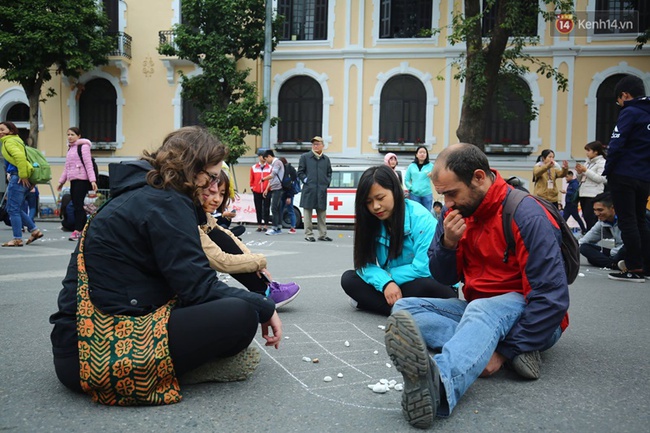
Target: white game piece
[399,387]
[339,375]
[388,365]
[306,359]
[347,343]
[327,378]
[380,388]
[376,352]
[383,381]
[581,274]
[381,327]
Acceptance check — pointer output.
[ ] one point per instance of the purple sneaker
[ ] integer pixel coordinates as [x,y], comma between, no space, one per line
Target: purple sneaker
[282,294]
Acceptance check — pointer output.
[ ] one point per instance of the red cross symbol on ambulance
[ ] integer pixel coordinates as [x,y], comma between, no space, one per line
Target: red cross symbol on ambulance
[336,203]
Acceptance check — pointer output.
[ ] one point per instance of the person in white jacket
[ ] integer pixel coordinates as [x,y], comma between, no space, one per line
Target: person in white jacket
[603,245]
[592,181]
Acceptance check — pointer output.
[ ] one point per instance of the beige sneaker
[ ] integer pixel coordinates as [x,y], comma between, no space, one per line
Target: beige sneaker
[232,369]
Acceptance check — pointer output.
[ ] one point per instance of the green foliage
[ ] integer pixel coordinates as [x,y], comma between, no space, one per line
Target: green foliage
[41,37]
[642,40]
[216,35]
[491,60]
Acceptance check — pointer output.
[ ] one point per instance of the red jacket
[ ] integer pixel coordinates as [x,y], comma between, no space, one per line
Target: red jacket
[257,172]
[536,271]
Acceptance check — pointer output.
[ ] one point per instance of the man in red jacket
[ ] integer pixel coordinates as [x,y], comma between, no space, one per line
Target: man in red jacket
[262,203]
[512,309]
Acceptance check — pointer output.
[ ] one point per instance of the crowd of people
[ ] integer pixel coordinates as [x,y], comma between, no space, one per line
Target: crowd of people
[162,317]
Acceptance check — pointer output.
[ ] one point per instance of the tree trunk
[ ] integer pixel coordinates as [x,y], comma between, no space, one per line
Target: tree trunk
[33,91]
[482,66]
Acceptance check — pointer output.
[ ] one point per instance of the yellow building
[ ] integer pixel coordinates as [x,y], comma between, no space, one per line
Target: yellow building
[363,74]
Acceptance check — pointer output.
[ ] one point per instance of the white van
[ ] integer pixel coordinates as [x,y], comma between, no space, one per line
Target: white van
[340,197]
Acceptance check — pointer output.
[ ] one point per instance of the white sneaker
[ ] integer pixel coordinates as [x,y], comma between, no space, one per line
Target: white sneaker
[353,303]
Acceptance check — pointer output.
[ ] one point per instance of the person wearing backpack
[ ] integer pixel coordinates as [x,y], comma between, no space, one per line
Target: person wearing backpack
[288,192]
[81,174]
[18,170]
[512,310]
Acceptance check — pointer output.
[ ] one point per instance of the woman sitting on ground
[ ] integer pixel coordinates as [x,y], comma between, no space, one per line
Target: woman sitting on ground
[141,251]
[391,239]
[228,254]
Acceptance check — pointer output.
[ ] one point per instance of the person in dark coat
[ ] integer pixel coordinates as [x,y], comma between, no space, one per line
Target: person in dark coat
[143,248]
[315,172]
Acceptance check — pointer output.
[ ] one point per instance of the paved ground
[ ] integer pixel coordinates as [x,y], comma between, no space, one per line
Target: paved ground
[596,379]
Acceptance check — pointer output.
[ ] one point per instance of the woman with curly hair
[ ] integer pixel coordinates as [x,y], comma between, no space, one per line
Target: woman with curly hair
[142,250]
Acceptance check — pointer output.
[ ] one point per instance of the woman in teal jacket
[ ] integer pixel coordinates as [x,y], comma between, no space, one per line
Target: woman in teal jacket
[417,180]
[391,239]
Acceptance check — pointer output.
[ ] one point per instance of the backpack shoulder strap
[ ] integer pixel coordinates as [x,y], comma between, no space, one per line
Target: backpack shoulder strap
[510,204]
[81,157]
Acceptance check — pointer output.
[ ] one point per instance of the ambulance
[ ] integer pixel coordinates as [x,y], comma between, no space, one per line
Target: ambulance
[340,197]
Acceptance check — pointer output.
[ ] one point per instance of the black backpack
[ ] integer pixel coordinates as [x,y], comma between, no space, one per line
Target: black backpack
[92,158]
[570,248]
[290,176]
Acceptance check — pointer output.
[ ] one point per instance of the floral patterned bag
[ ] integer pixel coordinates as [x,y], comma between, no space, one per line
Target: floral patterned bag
[123,360]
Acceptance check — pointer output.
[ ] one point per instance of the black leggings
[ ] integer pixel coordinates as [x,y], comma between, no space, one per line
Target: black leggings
[197,334]
[368,298]
[78,191]
[250,280]
[262,208]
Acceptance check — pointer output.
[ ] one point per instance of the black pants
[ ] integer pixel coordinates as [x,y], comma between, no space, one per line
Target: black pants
[598,256]
[197,334]
[250,280]
[372,300]
[630,197]
[276,207]
[78,191]
[571,210]
[262,208]
[587,206]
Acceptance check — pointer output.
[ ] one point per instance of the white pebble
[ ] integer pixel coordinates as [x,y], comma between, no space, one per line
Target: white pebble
[380,388]
[286,338]
[392,384]
[347,343]
[339,375]
[581,274]
[372,385]
[381,327]
[376,352]
[388,365]
[383,381]
[306,359]
[399,387]
[327,378]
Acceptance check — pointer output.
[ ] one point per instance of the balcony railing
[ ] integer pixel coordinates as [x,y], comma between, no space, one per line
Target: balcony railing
[122,45]
[166,37]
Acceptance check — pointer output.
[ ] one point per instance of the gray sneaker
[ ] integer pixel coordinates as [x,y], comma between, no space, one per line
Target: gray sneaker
[408,351]
[528,365]
[231,369]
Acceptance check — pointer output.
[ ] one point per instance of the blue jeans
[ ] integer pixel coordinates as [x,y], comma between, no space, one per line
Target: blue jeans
[289,208]
[467,335]
[424,200]
[16,193]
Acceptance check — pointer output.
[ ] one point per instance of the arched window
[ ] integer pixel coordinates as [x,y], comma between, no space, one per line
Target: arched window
[402,116]
[508,118]
[19,115]
[300,109]
[606,108]
[191,114]
[98,111]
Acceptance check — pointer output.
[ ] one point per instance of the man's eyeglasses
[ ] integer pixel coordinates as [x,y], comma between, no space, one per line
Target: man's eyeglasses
[214,178]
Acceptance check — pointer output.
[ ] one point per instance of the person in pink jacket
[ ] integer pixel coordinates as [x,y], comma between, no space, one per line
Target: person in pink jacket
[82,177]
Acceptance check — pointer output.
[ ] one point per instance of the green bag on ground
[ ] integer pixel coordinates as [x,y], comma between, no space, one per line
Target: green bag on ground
[42,172]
